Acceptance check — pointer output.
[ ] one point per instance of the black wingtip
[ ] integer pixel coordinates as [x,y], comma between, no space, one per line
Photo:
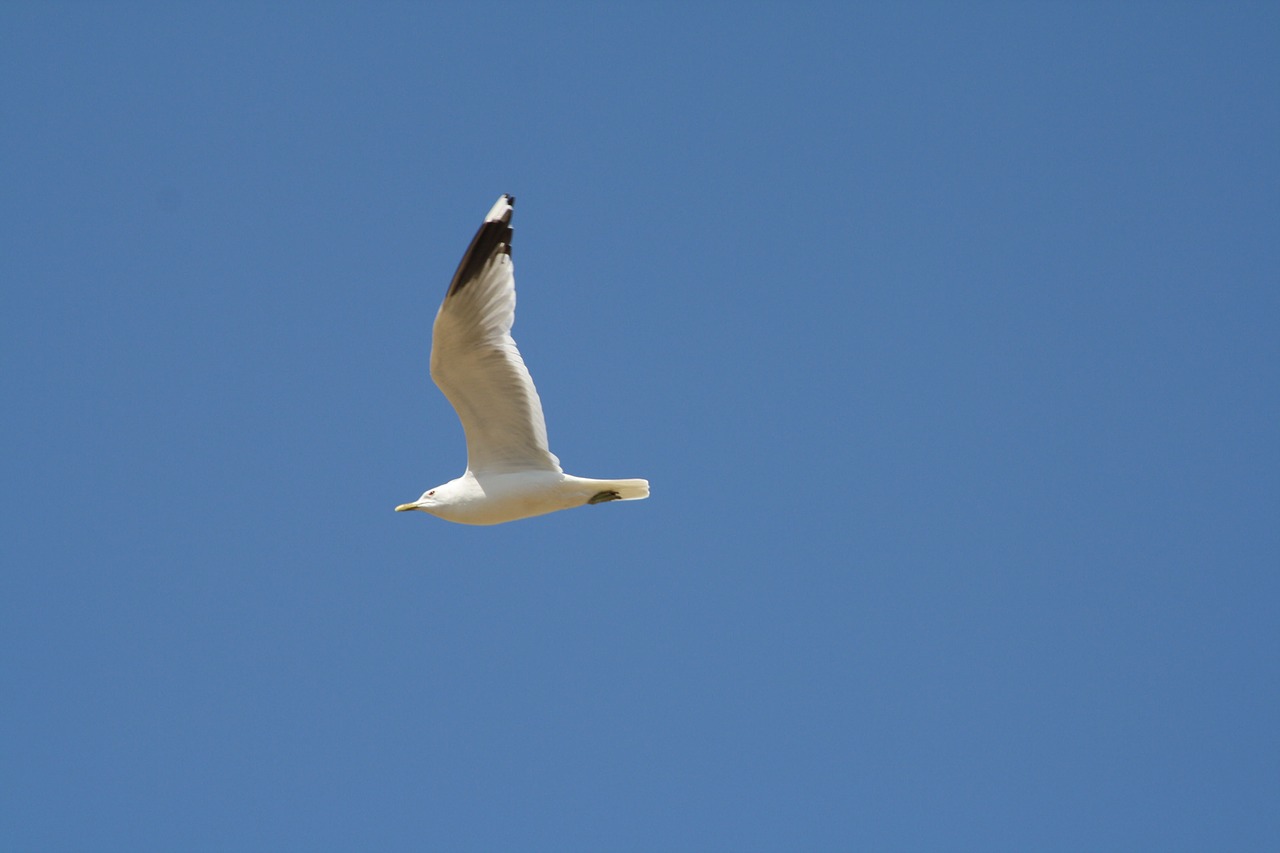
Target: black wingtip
[494,237]
[502,209]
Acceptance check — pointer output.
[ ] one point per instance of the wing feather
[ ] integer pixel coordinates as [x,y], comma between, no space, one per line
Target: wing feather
[475,361]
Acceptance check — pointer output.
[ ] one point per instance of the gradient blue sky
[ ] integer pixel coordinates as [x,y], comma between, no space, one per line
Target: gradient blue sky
[948,335]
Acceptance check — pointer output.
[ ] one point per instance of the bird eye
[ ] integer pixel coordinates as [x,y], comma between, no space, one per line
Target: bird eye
[430,493]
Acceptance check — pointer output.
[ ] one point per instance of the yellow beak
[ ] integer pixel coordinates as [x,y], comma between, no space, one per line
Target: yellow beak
[406,507]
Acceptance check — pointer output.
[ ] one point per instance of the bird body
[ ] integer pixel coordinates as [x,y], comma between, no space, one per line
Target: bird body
[511,472]
[495,498]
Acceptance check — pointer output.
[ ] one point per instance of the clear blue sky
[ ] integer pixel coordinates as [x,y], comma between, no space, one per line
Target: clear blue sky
[948,335]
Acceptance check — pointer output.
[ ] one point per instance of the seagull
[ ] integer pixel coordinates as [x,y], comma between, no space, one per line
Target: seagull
[511,473]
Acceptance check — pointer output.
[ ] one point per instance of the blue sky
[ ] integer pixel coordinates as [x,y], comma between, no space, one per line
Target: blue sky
[946,335]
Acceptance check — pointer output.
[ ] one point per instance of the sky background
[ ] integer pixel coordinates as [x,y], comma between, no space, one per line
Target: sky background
[947,335]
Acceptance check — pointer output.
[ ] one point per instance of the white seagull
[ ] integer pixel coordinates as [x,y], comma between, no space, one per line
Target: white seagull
[511,473]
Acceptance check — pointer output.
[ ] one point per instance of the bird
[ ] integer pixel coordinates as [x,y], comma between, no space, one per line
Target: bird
[511,472]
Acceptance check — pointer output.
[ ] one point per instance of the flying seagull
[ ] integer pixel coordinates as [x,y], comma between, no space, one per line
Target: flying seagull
[511,473]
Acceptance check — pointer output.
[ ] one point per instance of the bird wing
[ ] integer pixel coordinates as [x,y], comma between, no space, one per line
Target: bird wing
[475,361]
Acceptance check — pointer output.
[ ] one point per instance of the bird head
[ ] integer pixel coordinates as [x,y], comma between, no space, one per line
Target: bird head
[426,503]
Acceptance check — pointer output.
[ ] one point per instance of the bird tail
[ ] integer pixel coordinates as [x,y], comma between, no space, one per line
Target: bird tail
[630,490]
[600,491]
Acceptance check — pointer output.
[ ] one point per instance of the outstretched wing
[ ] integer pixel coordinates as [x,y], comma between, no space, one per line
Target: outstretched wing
[475,361]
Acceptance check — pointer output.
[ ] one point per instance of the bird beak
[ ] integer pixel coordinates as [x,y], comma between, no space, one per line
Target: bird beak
[406,507]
